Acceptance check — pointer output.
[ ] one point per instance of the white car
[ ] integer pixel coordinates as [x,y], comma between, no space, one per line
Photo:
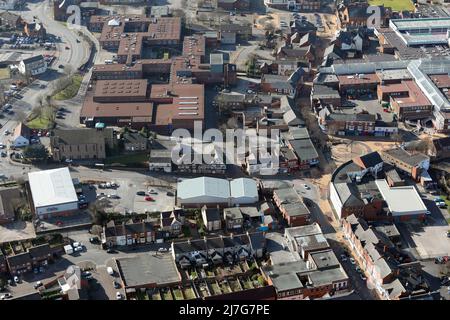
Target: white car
[110,271]
[76,244]
[352,261]
[16,279]
[118,295]
[162,250]
[6,296]
[77,249]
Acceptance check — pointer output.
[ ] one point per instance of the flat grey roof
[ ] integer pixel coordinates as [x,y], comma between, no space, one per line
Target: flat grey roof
[145,269]
[410,24]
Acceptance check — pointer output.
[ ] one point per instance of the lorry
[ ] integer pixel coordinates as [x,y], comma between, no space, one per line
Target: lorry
[68,249]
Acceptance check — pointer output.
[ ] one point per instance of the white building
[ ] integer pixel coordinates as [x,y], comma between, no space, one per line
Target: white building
[21,136]
[214,191]
[402,201]
[53,192]
[33,66]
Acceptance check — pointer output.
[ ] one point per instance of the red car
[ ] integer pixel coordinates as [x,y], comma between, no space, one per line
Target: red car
[148,198]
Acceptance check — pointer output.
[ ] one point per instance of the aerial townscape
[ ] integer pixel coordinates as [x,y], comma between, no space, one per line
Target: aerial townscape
[195,150]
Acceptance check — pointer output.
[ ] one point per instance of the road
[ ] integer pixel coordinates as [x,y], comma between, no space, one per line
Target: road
[74,57]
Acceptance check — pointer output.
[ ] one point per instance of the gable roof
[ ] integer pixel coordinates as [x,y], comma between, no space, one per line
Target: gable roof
[371,159]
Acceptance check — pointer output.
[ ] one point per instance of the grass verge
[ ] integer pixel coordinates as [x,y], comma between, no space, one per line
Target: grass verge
[396,5]
[71,90]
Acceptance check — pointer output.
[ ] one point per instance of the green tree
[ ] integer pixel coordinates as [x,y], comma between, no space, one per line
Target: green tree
[36,152]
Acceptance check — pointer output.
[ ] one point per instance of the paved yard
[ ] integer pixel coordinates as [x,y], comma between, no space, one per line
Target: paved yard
[18,230]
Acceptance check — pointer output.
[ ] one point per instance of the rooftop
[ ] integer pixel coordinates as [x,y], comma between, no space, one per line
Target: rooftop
[52,187]
[147,269]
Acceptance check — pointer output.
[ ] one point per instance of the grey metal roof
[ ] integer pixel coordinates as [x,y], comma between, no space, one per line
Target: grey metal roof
[304,149]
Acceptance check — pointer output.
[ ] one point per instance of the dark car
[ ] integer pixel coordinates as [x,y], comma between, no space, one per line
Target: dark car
[61,66]
[170,194]
[111,251]
[140,193]
[94,240]
[116,285]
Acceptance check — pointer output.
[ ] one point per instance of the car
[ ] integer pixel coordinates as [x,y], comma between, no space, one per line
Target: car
[448,234]
[6,296]
[102,186]
[108,185]
[16,279]
[116,285]
[2,146]
[170,194]
[118,295]
[78,40]
[76,244]
[35,270]
[78,249]
[109,250]
[60,117]
[363,277]
[42,86]
[162,250]
[148,198]
[352,261]
[358,269]
[306,187]
[140,193]
[61,66]
[3,154]
[67,48]
[37,284]
[152,191]
[94,240]
[343,257]
[7,132]
[110,271]
[114,196]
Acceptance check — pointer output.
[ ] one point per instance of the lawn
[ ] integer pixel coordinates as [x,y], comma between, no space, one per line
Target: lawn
[447,202]
[396,5]
[130,159]
[43,121]
[189,293]
[178,294]
[4,73]
[71,90]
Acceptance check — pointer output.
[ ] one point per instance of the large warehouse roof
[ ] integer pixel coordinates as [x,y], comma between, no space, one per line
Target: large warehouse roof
[52,187]
[401,200]
[243,187]
[218,190]
[204,186]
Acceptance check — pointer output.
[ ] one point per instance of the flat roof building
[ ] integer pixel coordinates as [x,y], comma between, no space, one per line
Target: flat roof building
[53,192]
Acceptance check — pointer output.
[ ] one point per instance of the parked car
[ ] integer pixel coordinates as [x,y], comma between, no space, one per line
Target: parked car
[110,271]
[16,279]
[152,192]
[306,187]
[111,251]
[6,296]
[363,277]
[170,194]
[118,295]
[148,198]
[140,193]
[37,284]
[116,285]
[352,261]
[162,250]
[343,257]
[94,240]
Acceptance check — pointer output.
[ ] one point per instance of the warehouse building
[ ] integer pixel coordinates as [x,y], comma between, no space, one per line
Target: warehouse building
[53,193]
[214,191]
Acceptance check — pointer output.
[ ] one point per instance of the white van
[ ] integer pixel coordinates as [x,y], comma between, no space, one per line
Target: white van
[110,271]
[108,61]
